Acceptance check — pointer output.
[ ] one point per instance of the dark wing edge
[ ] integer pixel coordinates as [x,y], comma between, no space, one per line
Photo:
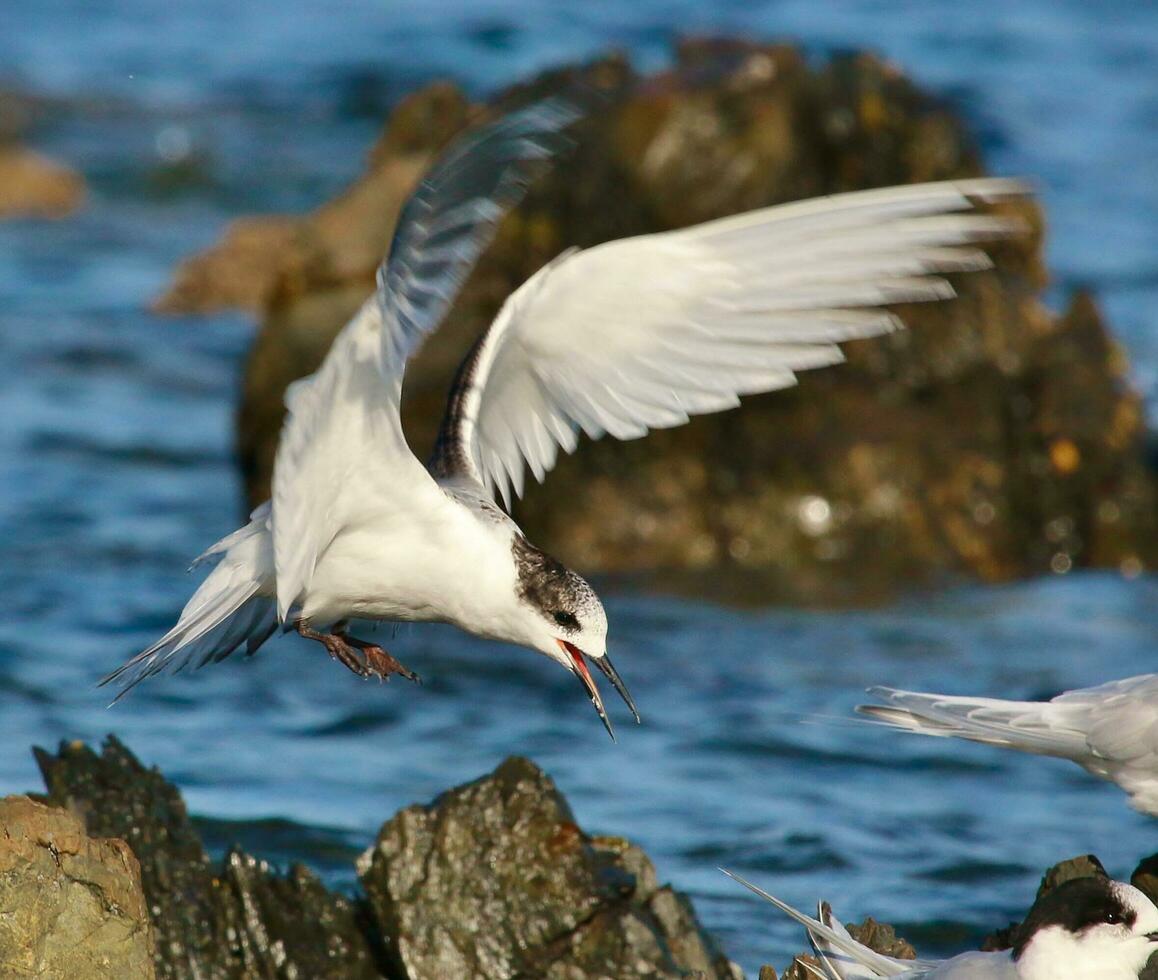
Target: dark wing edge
[455,211]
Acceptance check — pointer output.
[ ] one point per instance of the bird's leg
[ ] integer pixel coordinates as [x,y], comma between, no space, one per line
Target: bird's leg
[378,662]
[337,647]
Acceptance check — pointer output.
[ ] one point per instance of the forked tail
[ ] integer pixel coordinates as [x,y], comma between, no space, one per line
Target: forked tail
[234,605]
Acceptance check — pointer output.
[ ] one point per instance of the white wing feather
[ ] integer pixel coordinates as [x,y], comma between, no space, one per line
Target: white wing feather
[1110,730]
[645,332]
[1115,722]
[342,447]
[832,942]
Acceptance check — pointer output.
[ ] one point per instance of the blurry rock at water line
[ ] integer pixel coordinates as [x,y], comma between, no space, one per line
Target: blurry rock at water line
[993,440]
[32,185]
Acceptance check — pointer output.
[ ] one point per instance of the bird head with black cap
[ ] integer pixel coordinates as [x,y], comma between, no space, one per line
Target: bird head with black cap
[1093,928]
[564,619]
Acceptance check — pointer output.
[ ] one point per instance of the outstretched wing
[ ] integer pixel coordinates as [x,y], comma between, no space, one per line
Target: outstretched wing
[342,446]
[645,332]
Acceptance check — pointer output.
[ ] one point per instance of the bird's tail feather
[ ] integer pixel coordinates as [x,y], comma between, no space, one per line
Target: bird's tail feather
[1031,726]
[835,960]
[234,605]
[832,941]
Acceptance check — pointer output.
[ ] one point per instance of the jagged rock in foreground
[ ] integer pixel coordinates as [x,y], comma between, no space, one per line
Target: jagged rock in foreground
[71,904]
[239,921]
[993,440]
[494,879]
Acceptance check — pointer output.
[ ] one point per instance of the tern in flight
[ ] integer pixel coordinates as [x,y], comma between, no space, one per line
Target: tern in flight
[617,339]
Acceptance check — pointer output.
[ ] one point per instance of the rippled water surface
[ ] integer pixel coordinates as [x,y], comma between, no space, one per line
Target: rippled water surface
[116,438]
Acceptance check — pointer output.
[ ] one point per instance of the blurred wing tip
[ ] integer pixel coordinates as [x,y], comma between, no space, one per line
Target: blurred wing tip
[880,691]
[992,189]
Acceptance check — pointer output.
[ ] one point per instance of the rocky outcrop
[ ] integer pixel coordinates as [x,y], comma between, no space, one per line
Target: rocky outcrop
[106,877]
[492,879]
[235,921]
[71,904]
[993,440]
[495,879]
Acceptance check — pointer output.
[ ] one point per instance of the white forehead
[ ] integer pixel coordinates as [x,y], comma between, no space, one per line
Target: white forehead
[1132,898]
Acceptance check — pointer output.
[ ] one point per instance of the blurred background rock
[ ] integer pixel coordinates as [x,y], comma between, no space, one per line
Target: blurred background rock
[994,440]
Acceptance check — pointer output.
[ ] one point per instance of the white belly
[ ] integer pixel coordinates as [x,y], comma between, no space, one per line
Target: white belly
[441,566]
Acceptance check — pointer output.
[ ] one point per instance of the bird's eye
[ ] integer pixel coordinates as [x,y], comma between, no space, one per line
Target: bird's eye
[1113,918]
[567,619]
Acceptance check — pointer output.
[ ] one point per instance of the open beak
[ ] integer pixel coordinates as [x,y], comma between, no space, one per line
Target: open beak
[579,669]
[609,671]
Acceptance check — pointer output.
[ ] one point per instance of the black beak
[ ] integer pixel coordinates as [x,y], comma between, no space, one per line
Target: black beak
[609,671]
[579,669]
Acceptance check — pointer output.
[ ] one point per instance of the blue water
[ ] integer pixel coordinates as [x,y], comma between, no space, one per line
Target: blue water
[116,441]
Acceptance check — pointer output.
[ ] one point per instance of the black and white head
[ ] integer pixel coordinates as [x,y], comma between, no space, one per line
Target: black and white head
[565,620]
[1092,928]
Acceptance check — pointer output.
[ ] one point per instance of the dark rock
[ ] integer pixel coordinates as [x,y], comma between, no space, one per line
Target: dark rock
[71,904]
[242,922]
[883,938]
[494,879]
[1082,866]
[1145,877]
[875,935]
[993,440]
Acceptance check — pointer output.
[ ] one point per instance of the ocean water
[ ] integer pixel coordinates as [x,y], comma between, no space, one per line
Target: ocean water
[115,429]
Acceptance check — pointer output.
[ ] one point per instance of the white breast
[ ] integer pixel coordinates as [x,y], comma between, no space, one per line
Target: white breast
[436,562]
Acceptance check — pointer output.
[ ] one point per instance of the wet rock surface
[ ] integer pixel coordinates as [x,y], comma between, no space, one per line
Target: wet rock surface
[993,440]
[495,879]
[71,904]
